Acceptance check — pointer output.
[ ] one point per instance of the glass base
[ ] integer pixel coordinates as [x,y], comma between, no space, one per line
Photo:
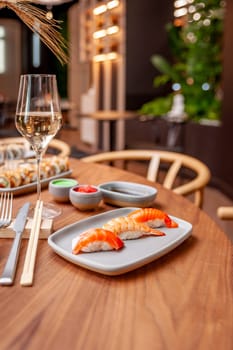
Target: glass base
[49,211]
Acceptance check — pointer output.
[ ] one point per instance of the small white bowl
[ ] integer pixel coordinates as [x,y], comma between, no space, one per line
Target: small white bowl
[60,188]
[85,200]
[126,194]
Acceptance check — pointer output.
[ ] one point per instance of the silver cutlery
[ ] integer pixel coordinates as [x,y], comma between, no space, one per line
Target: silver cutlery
[8,274]
[6,205]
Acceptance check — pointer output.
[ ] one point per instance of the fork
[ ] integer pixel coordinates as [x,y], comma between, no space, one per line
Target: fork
[6,205]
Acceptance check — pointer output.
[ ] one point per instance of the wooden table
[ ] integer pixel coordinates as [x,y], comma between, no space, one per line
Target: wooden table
[112,126]
[183,300]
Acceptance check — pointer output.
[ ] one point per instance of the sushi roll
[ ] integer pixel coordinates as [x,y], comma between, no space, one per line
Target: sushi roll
[61,163]
[4,181]
[28,173]
[24,174]
[14,178]
[54,165]
[45,171]
[31,174]
[96,239]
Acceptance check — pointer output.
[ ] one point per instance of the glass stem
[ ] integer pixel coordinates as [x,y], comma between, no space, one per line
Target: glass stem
[38,160]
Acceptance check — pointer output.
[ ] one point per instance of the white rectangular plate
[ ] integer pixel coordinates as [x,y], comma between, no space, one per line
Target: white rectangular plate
[32,186]
[134,254]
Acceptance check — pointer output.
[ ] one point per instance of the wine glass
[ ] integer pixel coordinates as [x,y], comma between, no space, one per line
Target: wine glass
[38,119]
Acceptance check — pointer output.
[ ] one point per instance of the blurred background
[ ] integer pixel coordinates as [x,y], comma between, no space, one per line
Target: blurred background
[135,55]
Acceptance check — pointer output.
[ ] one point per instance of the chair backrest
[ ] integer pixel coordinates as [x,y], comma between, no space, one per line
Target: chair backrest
[174,164]
[61,148]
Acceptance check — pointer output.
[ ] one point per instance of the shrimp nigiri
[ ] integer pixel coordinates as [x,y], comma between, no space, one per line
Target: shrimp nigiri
[152,217]
[96,239]
[127,228]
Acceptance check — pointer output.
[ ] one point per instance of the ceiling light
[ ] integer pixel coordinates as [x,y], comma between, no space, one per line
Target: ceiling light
[180,12]
[112,4]
[100,9]
[112,30]
[180,3]
[99,34]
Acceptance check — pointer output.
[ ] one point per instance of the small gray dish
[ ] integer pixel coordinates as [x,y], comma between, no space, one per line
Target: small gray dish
[85,200]
[125,194]
[60,188]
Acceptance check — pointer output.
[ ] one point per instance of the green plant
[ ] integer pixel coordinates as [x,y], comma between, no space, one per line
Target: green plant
[197,66]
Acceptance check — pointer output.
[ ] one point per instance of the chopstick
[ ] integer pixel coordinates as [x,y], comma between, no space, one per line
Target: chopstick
[29,264]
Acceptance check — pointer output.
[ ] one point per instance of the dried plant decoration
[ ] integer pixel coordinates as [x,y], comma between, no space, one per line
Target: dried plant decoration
[35,19]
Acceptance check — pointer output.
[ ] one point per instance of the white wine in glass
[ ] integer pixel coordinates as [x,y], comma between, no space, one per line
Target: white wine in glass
[38,119]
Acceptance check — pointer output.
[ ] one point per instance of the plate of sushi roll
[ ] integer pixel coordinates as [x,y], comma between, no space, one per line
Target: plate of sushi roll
[23,178]
[17,150]
[120,240]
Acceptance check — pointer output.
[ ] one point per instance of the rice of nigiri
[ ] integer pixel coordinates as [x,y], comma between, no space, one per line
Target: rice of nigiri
[126,228]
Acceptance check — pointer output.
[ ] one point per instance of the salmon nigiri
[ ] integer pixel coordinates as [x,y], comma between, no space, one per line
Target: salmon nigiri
[152,217]
[127,228]
[96,239]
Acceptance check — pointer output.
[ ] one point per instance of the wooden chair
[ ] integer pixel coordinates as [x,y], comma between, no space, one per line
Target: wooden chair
[196,177]
[62,148]
[56,146]
[225,213]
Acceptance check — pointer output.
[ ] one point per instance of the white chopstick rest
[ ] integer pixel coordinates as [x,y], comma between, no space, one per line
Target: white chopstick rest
[29,264]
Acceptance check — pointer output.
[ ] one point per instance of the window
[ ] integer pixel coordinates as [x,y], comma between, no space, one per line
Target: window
[2,50]
[36,46]
[36,50]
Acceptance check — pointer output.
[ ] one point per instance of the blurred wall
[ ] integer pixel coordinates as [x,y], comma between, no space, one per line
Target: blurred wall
[145,36]
[10,78]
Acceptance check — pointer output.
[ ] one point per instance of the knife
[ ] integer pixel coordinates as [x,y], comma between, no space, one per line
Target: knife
[8,274]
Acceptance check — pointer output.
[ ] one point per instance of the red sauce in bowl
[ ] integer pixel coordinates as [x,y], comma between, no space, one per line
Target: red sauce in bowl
[85,189]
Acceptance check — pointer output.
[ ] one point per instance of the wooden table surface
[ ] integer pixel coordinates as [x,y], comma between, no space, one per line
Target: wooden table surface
[184,300]
[113,115]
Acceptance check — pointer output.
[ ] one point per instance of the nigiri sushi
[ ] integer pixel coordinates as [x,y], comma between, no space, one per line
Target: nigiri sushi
[127,228]
[152,217]
[96,239]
